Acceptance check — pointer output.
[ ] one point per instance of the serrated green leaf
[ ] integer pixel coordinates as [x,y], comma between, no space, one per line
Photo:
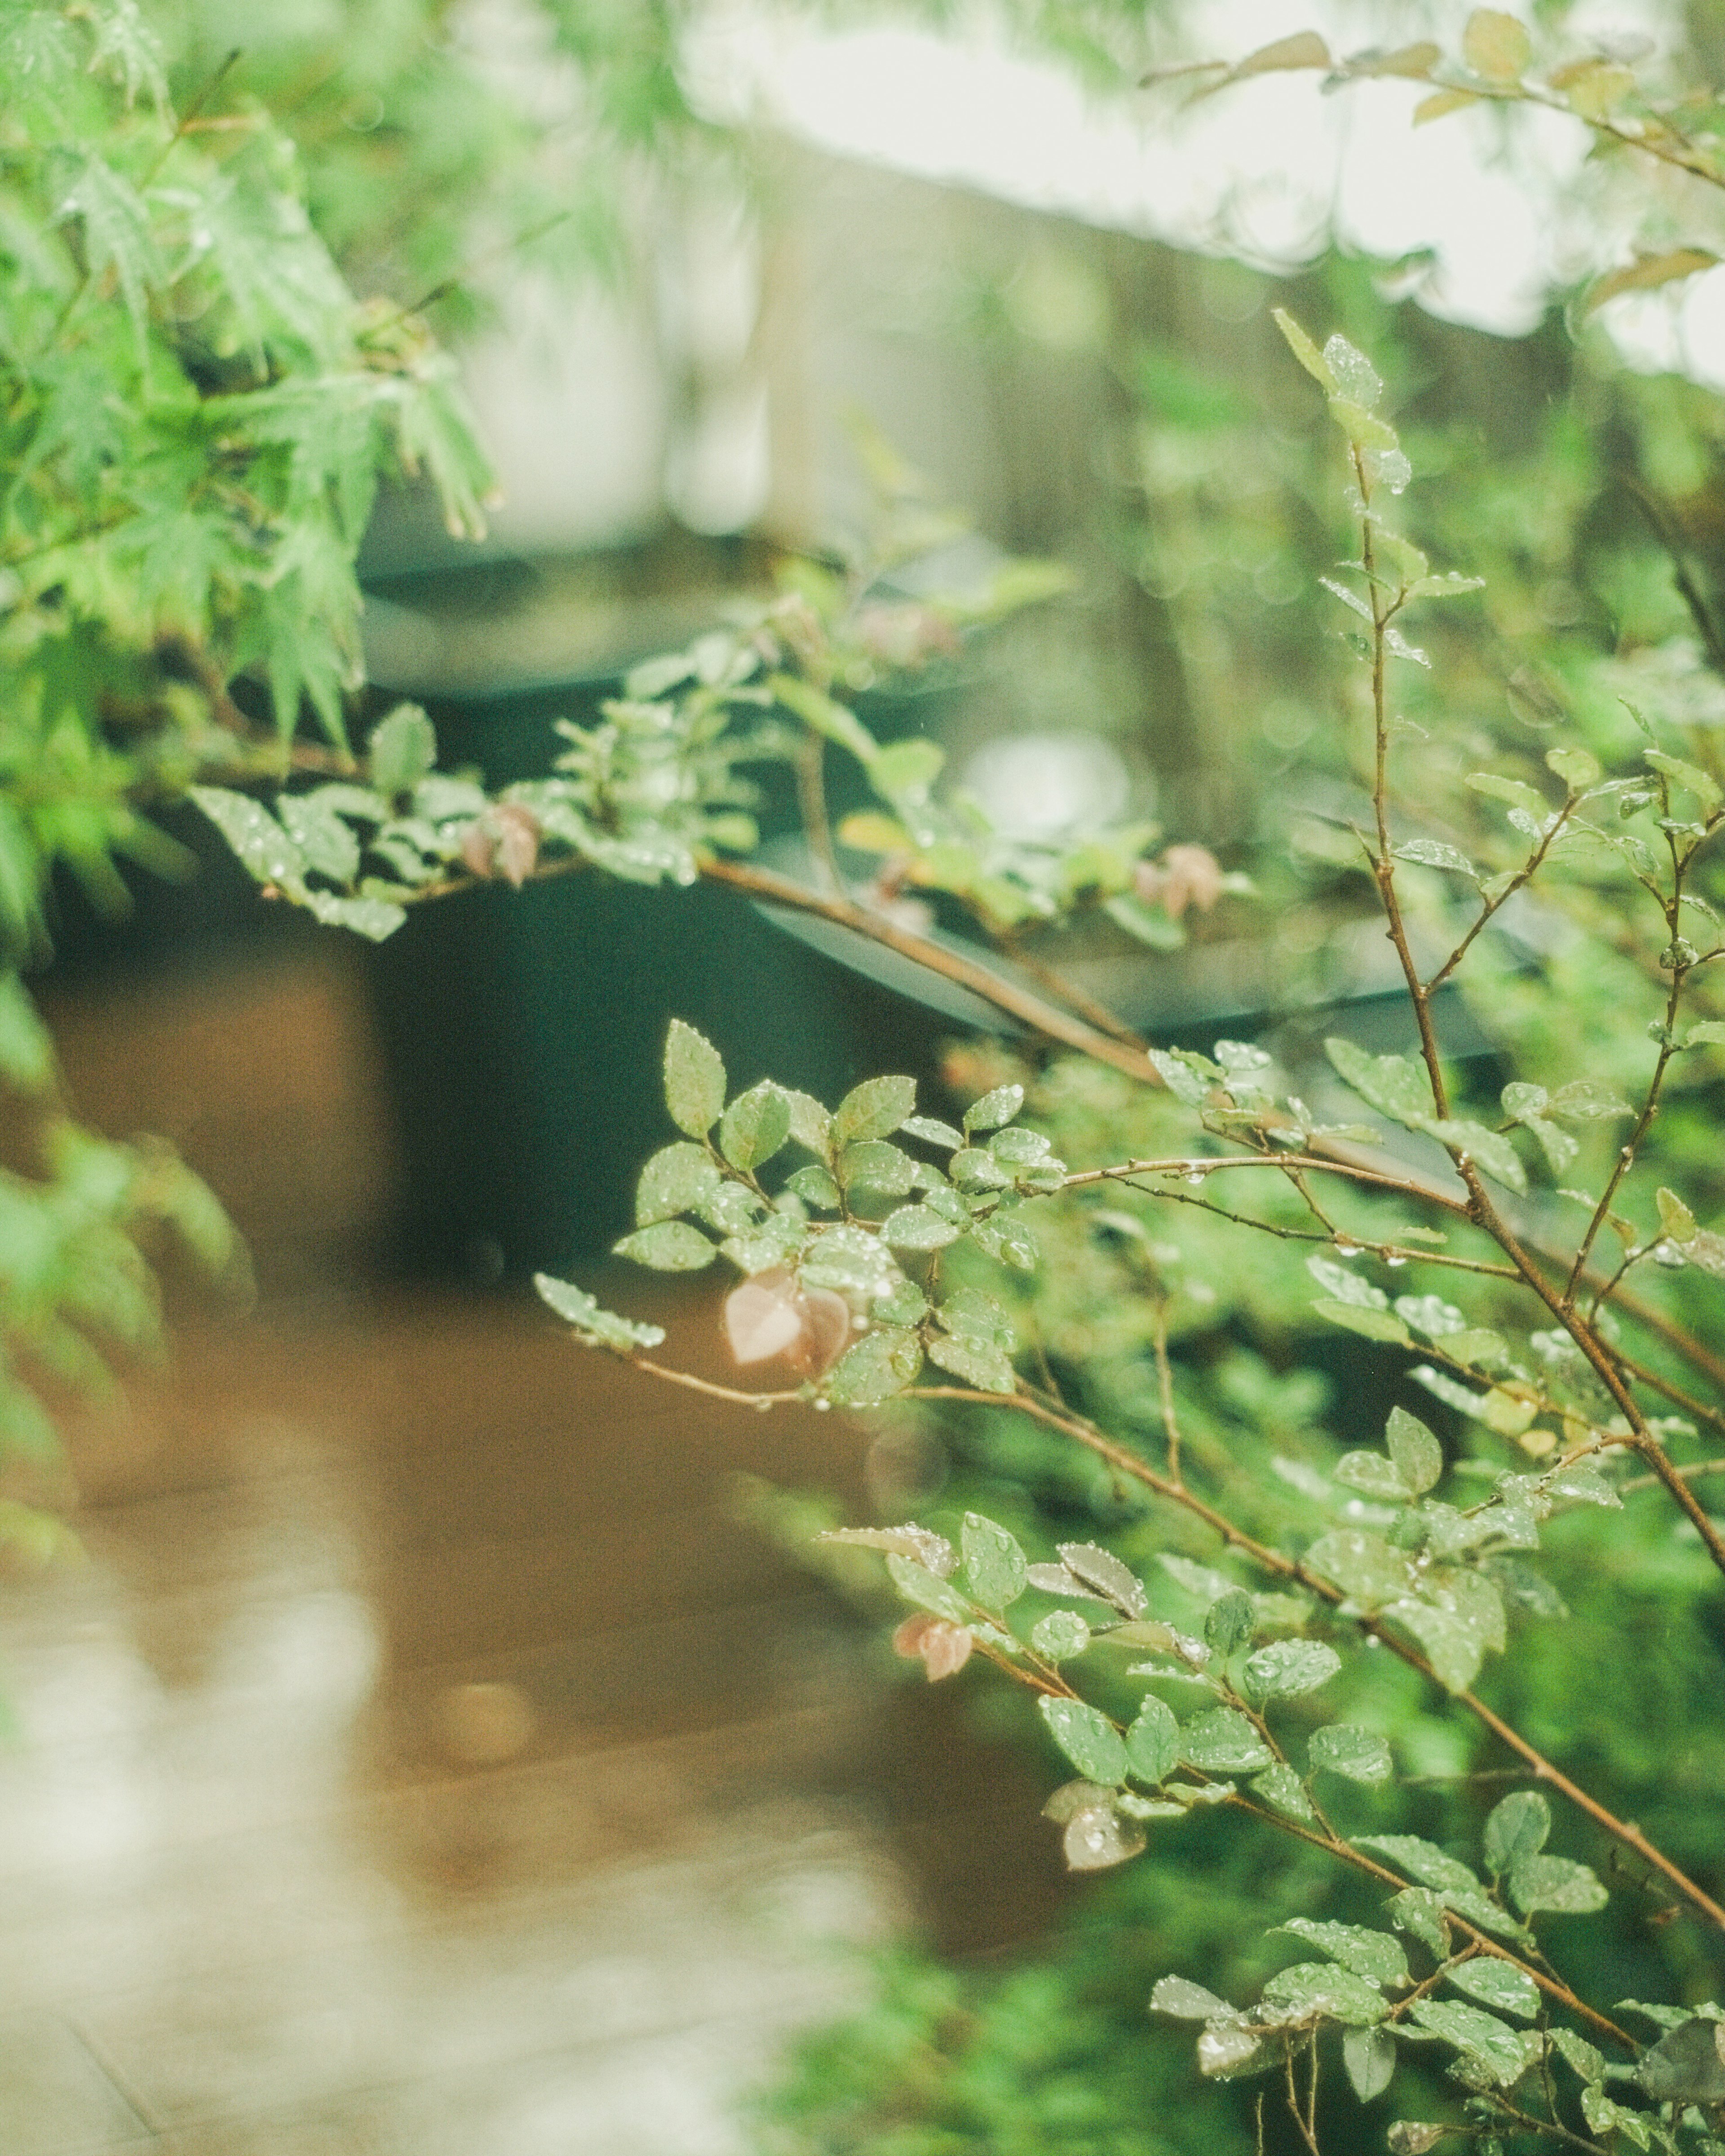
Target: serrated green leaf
[932,1131]
[1374,1476]
[257,840]
[669,1246]
[1516,1828]
[815,1186]
[1497,1985]
[1152,1741]
[1290,1668]
[872,1164]
[1369,2060]
[1223,1741]
[1501,2054]
[1433,853]
[1363,1565]
[1178,1997]
[1392,1084]
[755,1125]
[926,1589]
[976,1361]
[1281,1788]
[1343,1747]
[576,1307]
[1452,1641]
[1059,1636]
[694,1080]
[873,1110]
[1419,1913]
[1373,1956]
[1315,1989]
[402,750]
[993,1109]
[678,1177]
[1087,1737]
[994,1563]
[1230,1623]
[881,1364]
[1555,1885]
[915,1228]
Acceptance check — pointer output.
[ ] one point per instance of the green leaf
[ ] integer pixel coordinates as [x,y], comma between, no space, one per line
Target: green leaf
[375,919]
[1516,1828]
[819,711]
[881,1364]
[1675,1217]
[1363,1565]
[1374,1956]
[1423,1860]
[1290,1668]
[1230,1623]
[1153,1742]
[1582,2057]
[1346,1286]
[1574,766]
[1391,1084]
[755,1125]
[1087,1737]
[1314,1989]
[1490,1151]
[1343,1747]
[815,1186]
[1514,790]
[1605,2116]
[1496,45]
[27,1059]
[875,1109]
[402,749]
[1178,1996]
[926,1589]
[1500,2053]
[1006,1237]
[694,1080]
[1708,1031]
[327,844]
[1374,1476]
[669,1246]
[1498,1985]
[994,1563]
[259,841]
[1432,853]
[1556,1885]
[603,1328]
[1419,1913]
[906,769]
[675,1180]
[1370,1324]
[872,1164]
[1282,1788]
[1689,776]
[975,1361]
[811,1126]
[1416,1451]
[915,1228]
[1059,1636]
[993,1109]
[1223,1741]
[1306,351]
[1453,1640]
[1369,2060]
[932,1132]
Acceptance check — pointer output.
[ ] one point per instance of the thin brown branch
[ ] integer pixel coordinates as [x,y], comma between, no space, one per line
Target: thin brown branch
[1203,1164]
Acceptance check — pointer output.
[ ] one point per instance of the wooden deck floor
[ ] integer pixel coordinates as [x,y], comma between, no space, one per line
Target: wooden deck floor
[425,1763]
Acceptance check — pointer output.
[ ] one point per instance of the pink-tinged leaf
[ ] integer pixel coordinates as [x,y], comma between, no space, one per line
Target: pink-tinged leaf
[764,1317]
[1185,875]
[826,1331]
[943,1647]
[922,1545]
[502,842]
[517,843]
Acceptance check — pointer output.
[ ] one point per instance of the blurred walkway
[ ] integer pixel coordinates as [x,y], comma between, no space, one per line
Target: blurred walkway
[423,1763]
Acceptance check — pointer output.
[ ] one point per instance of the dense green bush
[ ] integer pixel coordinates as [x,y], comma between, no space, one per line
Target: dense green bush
[1330,1428]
